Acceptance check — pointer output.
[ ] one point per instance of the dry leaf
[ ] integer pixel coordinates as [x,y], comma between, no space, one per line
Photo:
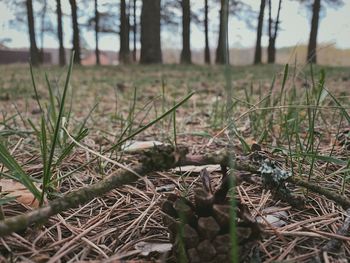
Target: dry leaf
[145,248]
[250,141]
[197,169]
[18,190]
[272,216]
[165,188]
[134,146]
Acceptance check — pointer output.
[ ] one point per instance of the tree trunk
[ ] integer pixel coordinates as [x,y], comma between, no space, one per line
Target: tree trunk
[97,18]
[271,51]
[150,32]
[270,46]
[34,52]
[186,28]
[76,40]
[258,54]
[42,30]
[206,32]
[124,51]
[222,52]
[62,55]
[273,29]
[134,32]
[311,50]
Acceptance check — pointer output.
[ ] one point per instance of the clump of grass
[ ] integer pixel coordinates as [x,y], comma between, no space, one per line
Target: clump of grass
[290,120]
[48,135]
[55,145]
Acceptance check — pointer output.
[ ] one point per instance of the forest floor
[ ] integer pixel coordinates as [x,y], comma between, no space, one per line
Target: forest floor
[296,122]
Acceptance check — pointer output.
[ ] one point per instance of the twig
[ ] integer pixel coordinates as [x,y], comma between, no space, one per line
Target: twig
[335,243]
[98,154]
[341,200]
[159,158]
[221,157]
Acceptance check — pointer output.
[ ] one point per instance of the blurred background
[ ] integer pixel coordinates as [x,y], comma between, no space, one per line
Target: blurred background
[110,32]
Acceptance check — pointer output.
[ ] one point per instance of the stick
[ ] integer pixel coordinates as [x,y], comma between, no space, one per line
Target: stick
[222,157]
[159,158]
[341,200]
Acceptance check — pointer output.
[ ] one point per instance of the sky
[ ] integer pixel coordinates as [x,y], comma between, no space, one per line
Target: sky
[334,28]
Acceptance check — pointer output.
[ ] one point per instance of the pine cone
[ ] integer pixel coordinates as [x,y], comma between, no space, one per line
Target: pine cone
[200,230]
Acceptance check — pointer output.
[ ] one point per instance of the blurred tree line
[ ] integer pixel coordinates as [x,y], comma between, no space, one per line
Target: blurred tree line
[122,17]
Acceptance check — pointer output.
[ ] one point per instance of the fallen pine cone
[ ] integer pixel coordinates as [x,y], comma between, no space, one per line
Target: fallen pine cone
[200,230]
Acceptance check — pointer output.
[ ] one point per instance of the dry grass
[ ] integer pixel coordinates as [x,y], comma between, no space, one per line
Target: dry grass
[107,228]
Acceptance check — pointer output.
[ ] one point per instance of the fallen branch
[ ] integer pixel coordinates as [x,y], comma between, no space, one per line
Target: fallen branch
[159,158]
[70,200]
[222,157]
[341,200]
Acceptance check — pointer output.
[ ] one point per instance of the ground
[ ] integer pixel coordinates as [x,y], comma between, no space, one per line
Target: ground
[288,112]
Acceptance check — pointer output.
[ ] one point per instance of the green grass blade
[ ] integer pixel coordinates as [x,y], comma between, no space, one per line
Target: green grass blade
[35,89]
[67,150]
[52,107]
[342,109]
[151,122]
[43,146]
[133,134]
[285,75]
[17,172]
[7,199]
[47,172]
[174,127]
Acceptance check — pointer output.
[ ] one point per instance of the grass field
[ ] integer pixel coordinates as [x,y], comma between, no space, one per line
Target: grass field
[299,116]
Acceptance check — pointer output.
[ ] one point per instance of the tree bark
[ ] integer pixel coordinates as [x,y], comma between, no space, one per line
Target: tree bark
[97,18]
[258,54]
[134,32]
[42,30]
[222,53]
[206,32]
[270,46]
[76,40]
[124,51]
[273,29]
[271,51]
[186,28]
[311,50]
[62,55]
[150,32]
[34,52]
